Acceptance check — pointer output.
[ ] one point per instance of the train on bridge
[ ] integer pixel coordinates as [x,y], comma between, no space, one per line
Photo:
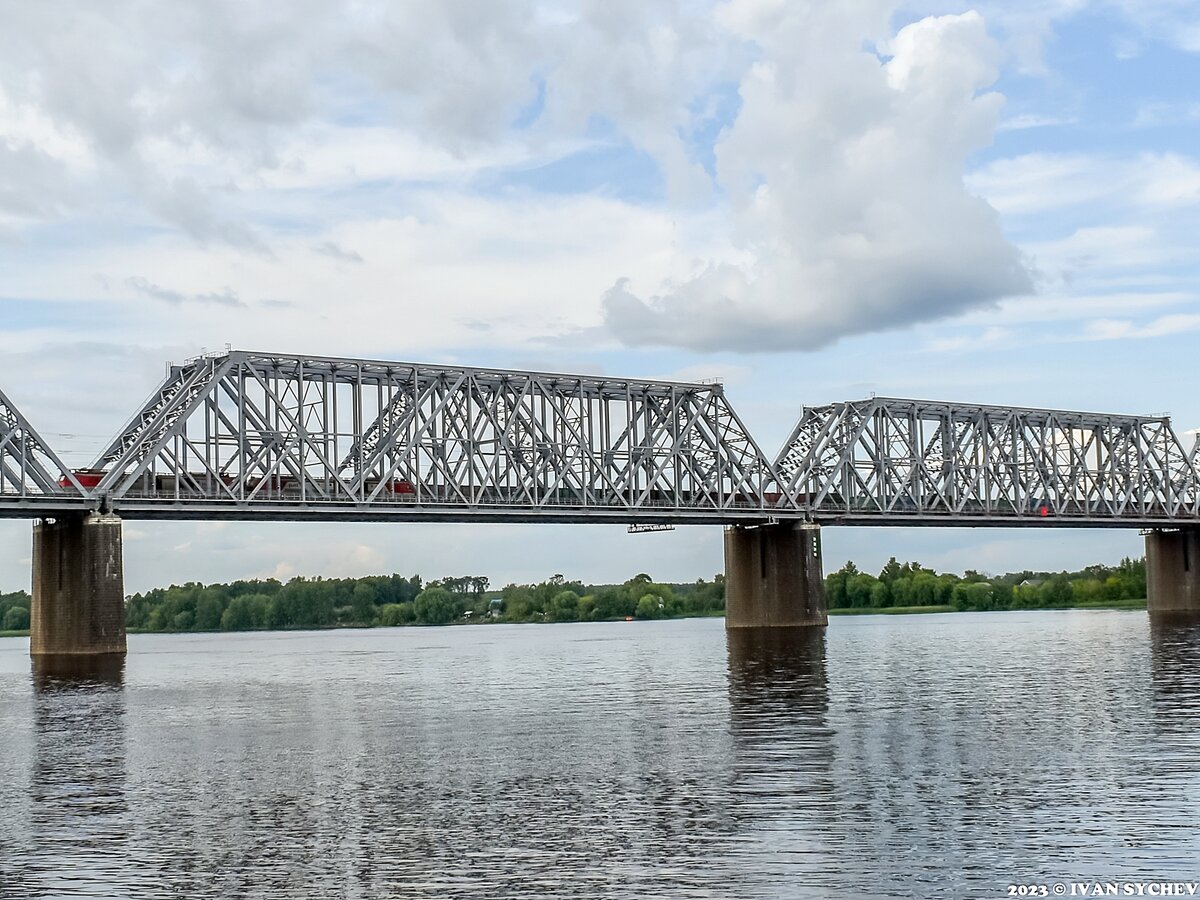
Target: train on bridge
[251,435]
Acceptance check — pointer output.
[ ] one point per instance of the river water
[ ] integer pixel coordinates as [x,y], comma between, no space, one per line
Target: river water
[904,756]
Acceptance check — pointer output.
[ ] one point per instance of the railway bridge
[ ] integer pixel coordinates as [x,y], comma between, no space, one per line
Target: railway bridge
[268,436]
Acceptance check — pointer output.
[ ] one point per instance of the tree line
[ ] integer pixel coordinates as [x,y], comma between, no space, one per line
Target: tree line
[913,585]
[269,604]
[395,600]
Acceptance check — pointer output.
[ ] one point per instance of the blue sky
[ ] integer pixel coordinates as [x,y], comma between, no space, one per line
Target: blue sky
[815,202]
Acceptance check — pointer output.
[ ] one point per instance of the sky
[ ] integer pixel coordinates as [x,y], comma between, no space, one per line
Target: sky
[990,203]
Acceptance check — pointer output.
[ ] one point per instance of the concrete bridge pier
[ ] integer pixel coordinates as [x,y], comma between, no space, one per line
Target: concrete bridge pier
[1173,574]
[78,587]
[773,576]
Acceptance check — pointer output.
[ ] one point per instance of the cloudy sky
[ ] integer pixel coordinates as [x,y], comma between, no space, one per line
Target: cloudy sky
[994,202]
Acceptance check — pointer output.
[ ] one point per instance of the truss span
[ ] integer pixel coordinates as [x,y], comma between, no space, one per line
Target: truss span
[885,460]
[263,435]
[32,478]
[258,435]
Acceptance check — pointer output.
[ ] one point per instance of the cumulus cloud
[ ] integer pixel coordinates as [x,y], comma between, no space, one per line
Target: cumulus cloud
[181,108]
[176,105]
[844,174]
[828,147]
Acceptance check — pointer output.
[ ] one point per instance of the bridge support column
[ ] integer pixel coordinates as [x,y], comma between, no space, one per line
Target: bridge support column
[773,576]
[78,587]
[1173,574]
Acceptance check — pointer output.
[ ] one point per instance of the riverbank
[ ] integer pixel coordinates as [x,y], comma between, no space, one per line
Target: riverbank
[891,610]
[918,610]
[841,611]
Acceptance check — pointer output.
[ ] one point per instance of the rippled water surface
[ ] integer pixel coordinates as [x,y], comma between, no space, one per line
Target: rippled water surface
[923,756]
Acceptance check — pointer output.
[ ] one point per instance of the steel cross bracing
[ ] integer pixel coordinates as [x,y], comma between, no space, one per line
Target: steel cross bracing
[254,435]
[32,478]
[919,462]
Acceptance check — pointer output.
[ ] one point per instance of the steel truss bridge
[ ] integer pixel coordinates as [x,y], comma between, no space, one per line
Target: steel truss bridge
[244,435]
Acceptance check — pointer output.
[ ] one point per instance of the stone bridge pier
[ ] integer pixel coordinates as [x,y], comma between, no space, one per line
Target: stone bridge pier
[78,586]
[1173,573]
[773,576]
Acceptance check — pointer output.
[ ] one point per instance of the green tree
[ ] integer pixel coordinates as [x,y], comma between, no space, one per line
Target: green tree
[649,606]
[563,607]
[924,589]
[616,603]
[209,612]
[880,595]
[975,595]
[518,603]
[1057,592]
[362,602]
[16,618]
[890,572]
[835,585]
[858,590]
[587,608]
[392,614]
[435,606]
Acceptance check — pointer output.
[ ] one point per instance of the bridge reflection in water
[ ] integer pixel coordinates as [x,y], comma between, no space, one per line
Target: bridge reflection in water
[889,756]
[77,813]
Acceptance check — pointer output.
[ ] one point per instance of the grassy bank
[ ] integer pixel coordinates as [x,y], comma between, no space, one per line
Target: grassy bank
[1109,604]
[890,610]
[841,611]
[916,610]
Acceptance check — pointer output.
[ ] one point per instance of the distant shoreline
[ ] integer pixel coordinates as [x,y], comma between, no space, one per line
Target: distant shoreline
[842,611]
[923,610]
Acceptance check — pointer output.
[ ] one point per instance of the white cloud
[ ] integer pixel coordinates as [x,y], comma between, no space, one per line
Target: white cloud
[1036,183]
[1158,112]
[1119,329]
[844,178]
[1026,121]
[1110,248]
[1170,180]
[516,274]
[1047,308]
[1175,22]
[990,338]
[183,110]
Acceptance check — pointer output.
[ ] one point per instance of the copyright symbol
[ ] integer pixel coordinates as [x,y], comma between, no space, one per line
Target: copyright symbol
[1060,889]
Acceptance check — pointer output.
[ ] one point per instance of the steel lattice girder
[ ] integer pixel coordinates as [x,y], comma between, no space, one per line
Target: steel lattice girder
[28,468]
[294,433]
[902,460]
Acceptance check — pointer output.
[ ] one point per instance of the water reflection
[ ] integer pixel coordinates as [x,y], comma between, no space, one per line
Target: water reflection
[778,708]
[73,672]
[883,757]
[78,810]
[1175,669]
[777,671]
[783,791]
